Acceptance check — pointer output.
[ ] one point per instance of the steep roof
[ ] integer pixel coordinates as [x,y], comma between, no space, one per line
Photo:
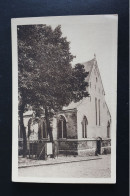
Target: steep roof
[88,67]
[72,105]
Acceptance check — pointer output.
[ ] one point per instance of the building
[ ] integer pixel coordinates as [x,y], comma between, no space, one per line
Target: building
[82,128]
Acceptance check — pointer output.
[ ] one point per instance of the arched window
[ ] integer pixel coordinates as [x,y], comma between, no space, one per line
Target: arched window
[62,131]
[20,134]
[99,111]
[96,109]
[84,127]
[108,129]
[44,131]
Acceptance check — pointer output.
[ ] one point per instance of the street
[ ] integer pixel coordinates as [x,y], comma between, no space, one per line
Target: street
[100,168]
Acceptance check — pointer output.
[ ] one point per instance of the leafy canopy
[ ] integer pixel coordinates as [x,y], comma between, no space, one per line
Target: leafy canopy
[46,77]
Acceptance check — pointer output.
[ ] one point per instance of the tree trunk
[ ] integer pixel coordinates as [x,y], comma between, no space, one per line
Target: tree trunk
[24,133]
[49,129]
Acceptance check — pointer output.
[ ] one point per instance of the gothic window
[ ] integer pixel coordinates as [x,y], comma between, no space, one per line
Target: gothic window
[84,127]
[108,129]
[44,131]
[62,132]
[99,110]
[96,109]
[20,135]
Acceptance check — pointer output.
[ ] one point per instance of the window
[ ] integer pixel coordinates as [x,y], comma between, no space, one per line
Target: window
[84,127]
[96,79]
[96,109]
[99,110]
[44,131]
[62,132]
[20,134]
[90,84]
[108,129]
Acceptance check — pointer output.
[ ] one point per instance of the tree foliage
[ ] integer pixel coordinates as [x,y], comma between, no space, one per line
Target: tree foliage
[46,77]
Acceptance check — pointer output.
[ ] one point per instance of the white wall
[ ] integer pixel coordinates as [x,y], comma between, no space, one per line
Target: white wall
[87,108]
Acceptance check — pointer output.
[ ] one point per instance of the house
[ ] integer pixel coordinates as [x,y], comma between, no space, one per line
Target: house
[81,128]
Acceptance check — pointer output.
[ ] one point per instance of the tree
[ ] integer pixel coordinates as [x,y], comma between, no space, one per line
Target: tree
[46,77]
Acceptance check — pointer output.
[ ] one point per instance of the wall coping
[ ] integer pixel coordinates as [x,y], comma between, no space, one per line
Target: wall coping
[86,139]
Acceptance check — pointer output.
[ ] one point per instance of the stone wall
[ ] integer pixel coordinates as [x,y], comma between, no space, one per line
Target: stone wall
[83,147]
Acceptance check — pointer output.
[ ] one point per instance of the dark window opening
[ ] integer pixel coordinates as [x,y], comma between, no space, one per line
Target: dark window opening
[20,134]
[44,131]
[99,110]
[62,131]
[96,109]
[108,129]
[84,127]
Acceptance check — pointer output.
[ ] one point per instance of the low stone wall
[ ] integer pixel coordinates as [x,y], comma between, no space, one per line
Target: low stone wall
[106,146]
[68,147]
[83,147]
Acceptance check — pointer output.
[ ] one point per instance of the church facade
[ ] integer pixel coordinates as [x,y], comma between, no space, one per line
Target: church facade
[82,128]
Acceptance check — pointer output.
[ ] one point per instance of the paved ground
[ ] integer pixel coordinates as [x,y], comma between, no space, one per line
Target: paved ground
[99,168]
[26,162]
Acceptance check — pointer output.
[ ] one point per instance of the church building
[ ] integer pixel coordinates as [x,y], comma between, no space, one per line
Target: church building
[82,128]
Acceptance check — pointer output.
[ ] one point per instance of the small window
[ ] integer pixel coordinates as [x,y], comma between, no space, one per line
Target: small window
[84,127]
[99,111]
[62,132]
[44,131]
[108,129]
[90,84]
[96,109]
[96,79]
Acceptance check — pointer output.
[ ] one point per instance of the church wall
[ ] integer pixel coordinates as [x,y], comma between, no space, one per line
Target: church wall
[87,108]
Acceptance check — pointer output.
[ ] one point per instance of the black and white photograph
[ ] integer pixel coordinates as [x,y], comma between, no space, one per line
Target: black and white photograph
[64,99]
